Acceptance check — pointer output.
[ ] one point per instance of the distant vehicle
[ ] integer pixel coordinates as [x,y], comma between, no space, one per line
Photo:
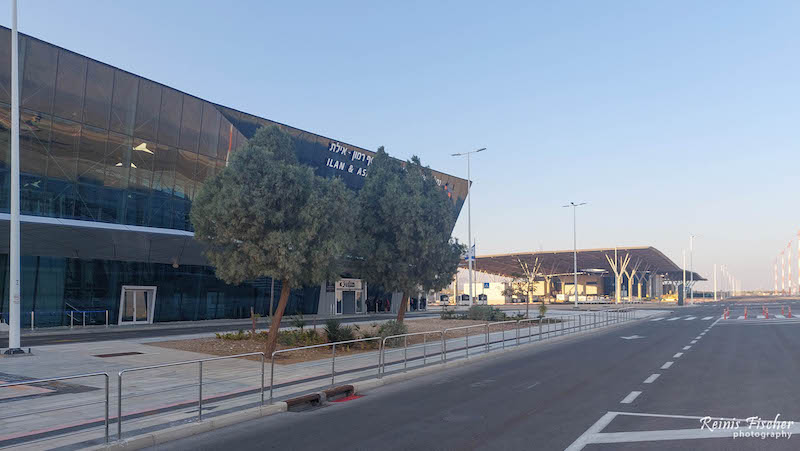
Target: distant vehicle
[483,299]
[444,299]
[464,300]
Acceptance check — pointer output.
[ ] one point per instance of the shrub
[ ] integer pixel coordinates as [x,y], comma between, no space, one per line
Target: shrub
[298,321]
[390,328]
[485,313]
[240,335]
[542,310]
[336,332]
[448,314]
[299,338]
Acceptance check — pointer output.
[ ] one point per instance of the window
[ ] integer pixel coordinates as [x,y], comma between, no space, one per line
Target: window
[118,161]
[39,79]
[91,155]
[225,145]
[210,131]
[164,169]
[34,143]
[147,110]
[99,86]
[184,174]
[170,117]
[5,61]
[123,105]
[5,135]
[64,140]
[70,84]
[190,122]
[205,169]
[142,156]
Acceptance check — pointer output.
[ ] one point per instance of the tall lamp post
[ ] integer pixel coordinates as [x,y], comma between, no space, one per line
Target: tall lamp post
[470,256]
[575,246]
[691,268]
[13,253]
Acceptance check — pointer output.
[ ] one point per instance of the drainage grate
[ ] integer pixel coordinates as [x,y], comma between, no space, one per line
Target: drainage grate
[117,354]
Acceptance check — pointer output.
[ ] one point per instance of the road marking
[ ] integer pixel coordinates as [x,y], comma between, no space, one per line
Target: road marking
[652,378]
[698,337]
[674,319]
[685,348]
[678,354]
[666,365]
[631,396]
[740,317]
[632,337]
[693,342]
[690,318]
[531,386]
[708,318]
[780,316]
[656,319]
[760,317]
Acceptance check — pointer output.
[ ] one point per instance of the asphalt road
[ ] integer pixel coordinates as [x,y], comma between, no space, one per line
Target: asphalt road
[163,330]
[549,396]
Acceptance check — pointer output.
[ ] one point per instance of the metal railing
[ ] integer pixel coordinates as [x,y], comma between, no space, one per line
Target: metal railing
[466,330]
[333,358]
[199,362]
[17,414]
[503,329]
[425,334]
[82,315]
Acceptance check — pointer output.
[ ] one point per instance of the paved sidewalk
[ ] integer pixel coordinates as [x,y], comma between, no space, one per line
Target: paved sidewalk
[159,397]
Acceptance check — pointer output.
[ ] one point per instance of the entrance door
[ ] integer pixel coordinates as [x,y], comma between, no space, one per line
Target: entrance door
[349,301]
[136,304]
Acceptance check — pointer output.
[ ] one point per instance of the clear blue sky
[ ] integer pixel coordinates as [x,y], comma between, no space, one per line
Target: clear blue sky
[669,118]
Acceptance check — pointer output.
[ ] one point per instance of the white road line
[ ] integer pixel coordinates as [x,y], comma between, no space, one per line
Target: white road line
[674,319]
[666,365]
[760,317]
[780,316]
[656,319]
[690,318]
[693,342]
[708,318]
[698,337]
[686,348]
[652,378]
[631,396]
[740,317]
[677,355]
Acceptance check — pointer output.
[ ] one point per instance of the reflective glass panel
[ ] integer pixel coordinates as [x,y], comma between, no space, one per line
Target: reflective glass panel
[39,80]
[91,155]
[170,117]
[70,84]
[190,122]
[64,140]
[123,105]
[147,110]
[99,86]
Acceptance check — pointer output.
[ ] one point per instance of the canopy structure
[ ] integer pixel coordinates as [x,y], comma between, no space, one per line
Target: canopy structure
[590,261]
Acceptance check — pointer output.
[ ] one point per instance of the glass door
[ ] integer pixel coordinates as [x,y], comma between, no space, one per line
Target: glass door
[136,304]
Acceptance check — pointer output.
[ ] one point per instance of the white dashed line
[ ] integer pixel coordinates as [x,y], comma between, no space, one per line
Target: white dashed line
[674,319]
[760,316]
[631,396]
[656,319]
[666,365]
[677,355]
[652,378]
[693,342]
[741,317]
[698,337]
[690,318]
[686,348]
[780,316]
[708,318]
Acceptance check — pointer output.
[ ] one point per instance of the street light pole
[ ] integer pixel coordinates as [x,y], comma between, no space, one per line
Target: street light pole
[470,255]
[13,253]
[691,269]
[575,246]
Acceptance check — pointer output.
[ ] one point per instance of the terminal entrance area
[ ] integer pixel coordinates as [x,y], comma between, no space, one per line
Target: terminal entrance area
[137,304]
[350,295]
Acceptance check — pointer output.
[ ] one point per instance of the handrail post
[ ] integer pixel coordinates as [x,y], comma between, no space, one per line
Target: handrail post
[200,393]
[119,406]
[503,330]
[70,319]
[444,347]
[271,375]
[32,320]
[540,327]
[333,365]
[488,346]
[405,352]
[517,333]
[262,378]
[580,327]
[380,355]
[106,318]
[108,396]
[530,330]
[466,341]
[382,359]
[84,319]
[424,349]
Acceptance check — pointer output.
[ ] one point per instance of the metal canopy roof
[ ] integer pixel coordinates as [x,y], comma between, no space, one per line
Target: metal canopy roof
[649,259]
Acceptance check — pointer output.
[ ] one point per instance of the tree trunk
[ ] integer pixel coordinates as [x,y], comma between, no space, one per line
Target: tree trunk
[528,304]
[275,326]
[401,312]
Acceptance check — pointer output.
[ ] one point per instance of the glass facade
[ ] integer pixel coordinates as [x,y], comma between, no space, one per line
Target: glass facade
[100,144]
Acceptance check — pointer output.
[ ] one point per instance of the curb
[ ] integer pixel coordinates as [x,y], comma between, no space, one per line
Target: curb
[190,429]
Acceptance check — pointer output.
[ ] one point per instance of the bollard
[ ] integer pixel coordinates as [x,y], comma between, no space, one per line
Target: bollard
[70,320]
[790,311]
[106,318]
[84,319]
[31,319]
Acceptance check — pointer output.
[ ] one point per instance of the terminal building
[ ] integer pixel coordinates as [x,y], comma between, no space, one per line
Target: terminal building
[642,272]
[109,165]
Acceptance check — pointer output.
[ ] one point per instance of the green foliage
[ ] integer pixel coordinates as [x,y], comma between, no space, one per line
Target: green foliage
[336,332]
[518,316]
[485,313]
[542,309]
[392,327]
[239,335]
[267,215]
[448,314]
[404,241]
[298,321]
[299,338]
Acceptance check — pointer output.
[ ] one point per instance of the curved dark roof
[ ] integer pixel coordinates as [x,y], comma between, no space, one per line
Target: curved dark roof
[589,260]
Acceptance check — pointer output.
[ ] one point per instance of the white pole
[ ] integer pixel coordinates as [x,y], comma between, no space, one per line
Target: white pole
[575,251]
[469,228]
[14,287]
[691,268]
[683,288]
[715,282]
